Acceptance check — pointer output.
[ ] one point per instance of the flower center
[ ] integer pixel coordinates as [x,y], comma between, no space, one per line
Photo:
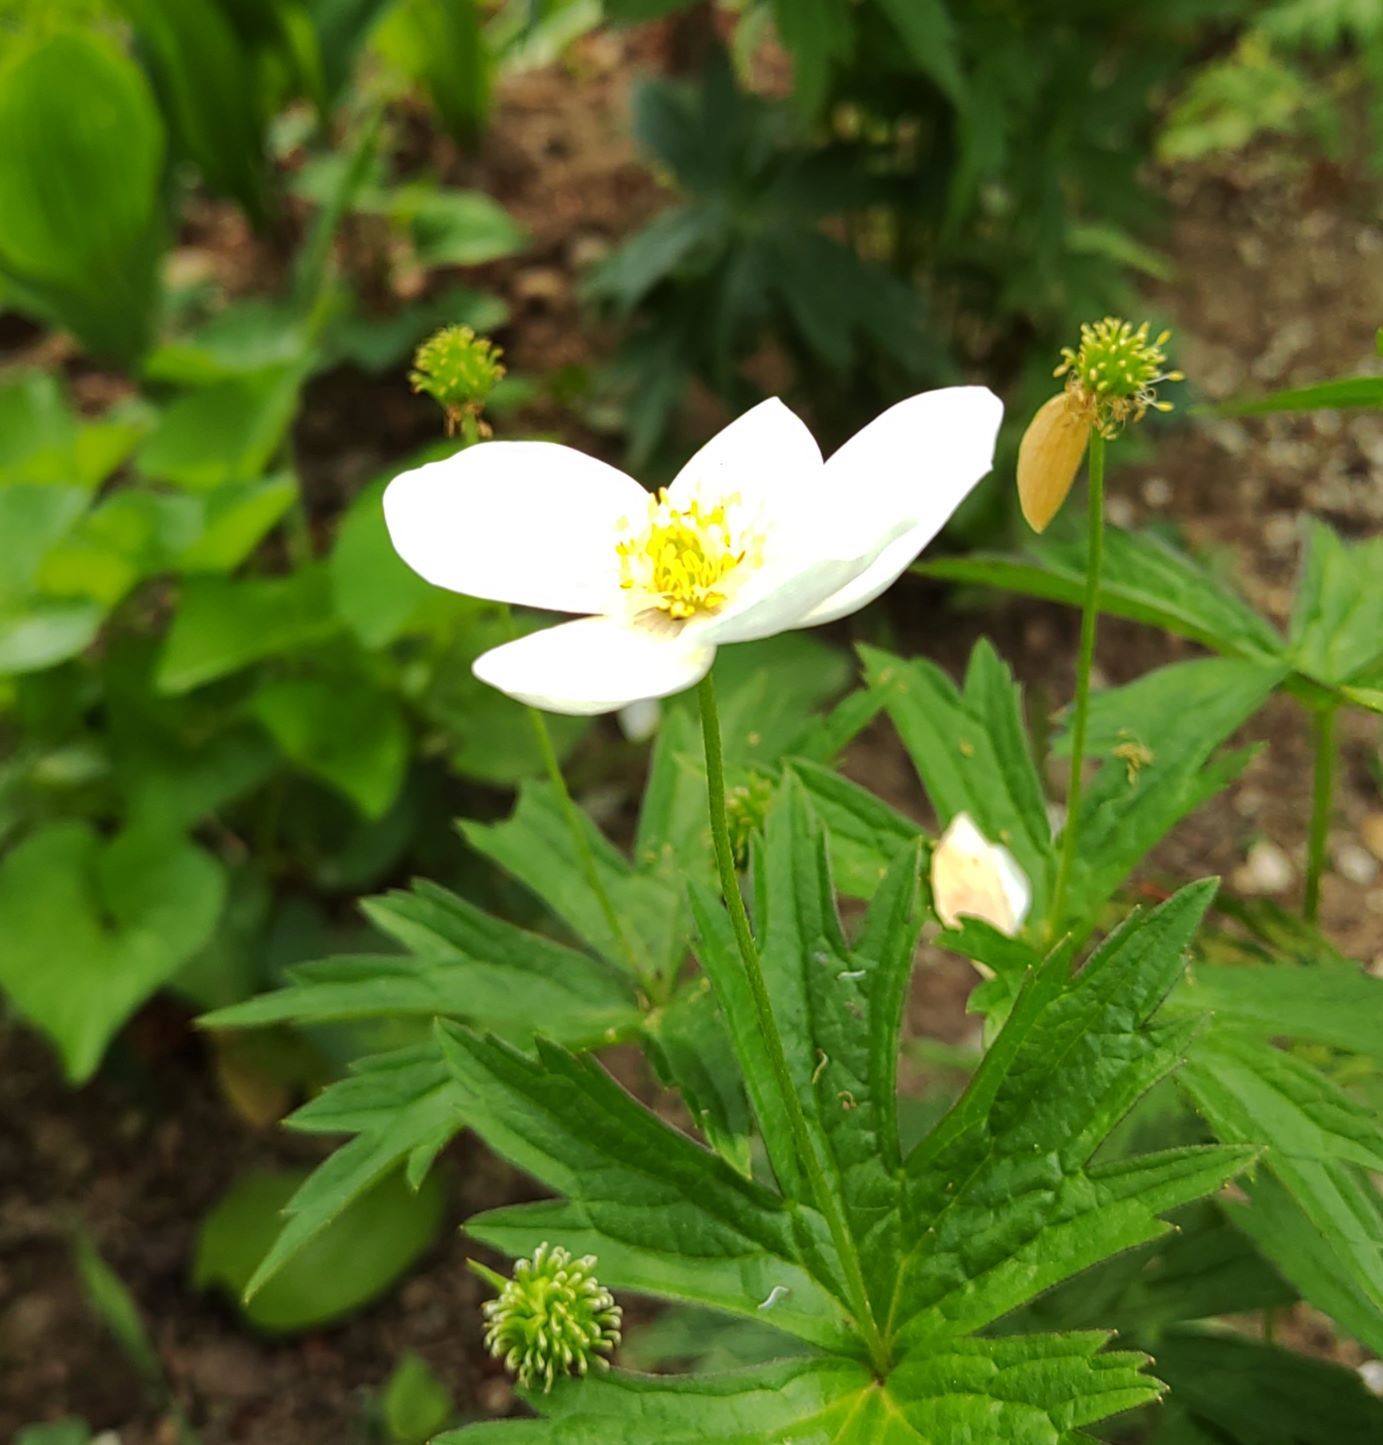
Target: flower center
[682,556]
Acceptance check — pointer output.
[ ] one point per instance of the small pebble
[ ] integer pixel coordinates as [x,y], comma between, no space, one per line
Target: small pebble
[1355,863]
[1371,1373]
[1265,870]
[1157,491]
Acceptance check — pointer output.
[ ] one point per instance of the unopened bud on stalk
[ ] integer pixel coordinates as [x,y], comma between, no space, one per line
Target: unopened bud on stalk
[746,811]
[1111,381]
[972,877]
[458,370]
[553,1317]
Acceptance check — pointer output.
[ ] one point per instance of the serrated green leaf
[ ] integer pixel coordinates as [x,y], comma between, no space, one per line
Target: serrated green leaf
[535,845]
[1067,1065]
[663,1215]
[394,1104]
[865,832]
[971,752]
[463,964]
[928,33]
[1022,1391]
[1321,1221]
[1330,1001]
[1337,620]
[1144,579]
[1154,738]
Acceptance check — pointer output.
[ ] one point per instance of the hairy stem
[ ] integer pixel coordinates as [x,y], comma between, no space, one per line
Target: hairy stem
[1322,790]
[1089,620]
[824,1197]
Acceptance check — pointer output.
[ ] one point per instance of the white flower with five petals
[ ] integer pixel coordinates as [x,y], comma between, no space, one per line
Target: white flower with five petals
[756,535]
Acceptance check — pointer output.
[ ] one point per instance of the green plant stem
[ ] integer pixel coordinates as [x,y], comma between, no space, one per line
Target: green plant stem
[823,1196]
[1322,790]
[1089,620]
[575,827]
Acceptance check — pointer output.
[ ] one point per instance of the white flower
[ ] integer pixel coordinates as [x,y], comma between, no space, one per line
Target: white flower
[973,877]
[757,535]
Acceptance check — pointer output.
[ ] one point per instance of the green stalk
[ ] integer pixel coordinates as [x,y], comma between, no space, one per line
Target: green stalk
[543,734]
[824,1197]
[1089,619]
[1322,789]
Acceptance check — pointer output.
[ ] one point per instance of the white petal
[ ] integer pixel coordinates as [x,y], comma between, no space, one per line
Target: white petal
[973,877]
[767,456]
[638,721]
[528,522]
[907,472]
[597,664]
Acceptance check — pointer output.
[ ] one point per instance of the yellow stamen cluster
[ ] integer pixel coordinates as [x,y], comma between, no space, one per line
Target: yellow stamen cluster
[682,555]
[1114,375]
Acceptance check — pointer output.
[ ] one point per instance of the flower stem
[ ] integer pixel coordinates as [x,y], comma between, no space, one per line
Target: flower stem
[1322,789]
[575,825]
[1088,622]
[824,1197]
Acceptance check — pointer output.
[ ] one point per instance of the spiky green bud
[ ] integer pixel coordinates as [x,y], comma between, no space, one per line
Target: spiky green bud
[746,811]
[552,1317]
[1115,373]
[458,370]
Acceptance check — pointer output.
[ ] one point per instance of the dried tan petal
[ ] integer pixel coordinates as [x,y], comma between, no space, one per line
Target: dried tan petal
[1049,457]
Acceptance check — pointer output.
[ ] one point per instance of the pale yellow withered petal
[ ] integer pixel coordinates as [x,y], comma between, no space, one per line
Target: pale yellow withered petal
[1049,457]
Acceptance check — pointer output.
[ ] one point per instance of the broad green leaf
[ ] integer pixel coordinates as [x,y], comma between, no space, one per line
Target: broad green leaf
[378,343]
[226,432]
[1144,578]
[234,520]
[663,1215]
[223,626]
[1016,1150]
[92,928]
[252,334]
[70,1431]
[818,35]
[455,228]
[971,752]
[81,230]
[535,846]
[364,1249]
[43,443]
[1337,621]
[416,1403]
[1239,1391]
[47,631]
[441,46]
[1035,1391]
[1329,1001]
[1154,738]
[462,964]
[350,735]
[207,85]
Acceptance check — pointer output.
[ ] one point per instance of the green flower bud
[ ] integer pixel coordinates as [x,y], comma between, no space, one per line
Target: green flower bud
[1116,372]
[552,1317]
[458,370]
[746,810]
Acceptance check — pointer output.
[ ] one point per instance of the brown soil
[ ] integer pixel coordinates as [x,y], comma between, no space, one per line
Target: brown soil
[1278,281]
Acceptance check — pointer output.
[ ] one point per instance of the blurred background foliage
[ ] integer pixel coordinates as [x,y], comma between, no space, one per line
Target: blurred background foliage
[226,708]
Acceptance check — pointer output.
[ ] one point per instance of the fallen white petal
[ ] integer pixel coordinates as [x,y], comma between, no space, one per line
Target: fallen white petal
[532,523]
[594,665]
